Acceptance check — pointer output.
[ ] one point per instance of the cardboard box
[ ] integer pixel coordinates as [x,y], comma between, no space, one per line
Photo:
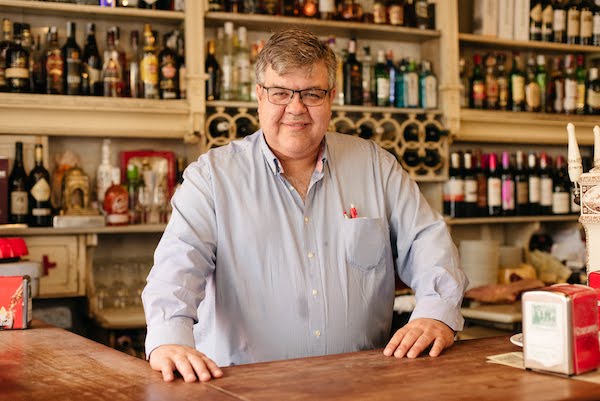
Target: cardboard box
[15,302]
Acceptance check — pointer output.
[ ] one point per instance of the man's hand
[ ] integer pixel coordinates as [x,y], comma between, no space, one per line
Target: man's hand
[418,334]
[189,362]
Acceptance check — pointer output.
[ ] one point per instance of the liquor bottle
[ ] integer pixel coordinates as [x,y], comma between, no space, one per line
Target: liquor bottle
[596,24]
[133,183]
[503,82]
[491,83]
[593,92]
[135,80]
[507,179]
[464,84]
[17,64]
[454,188]
[168,71]
[573,22]
[535,20]
[54,64]
[428,87]
[270,7]
[242,64]
[556,88]
[494,187]
[547,21]
[149,65]
[517,84]
[481,177]
[92,64]
[422,14]
[17,189]
[369,77]
[477,84]
[116,201]
[410,16]
[521,186]
[326,9]
[411,84]
[352,76]
[40,213]
[533,179]
[470,183]
[546,185]
[5,44]
[395,12]
[399,92]
[382,81]
[104,172]
[228,87]
[71,54]
[213,72]
[570,102]
[111,70]
[533,92]
[581,78]
[541,77]
[389,59]
[215,5]
[561,192]
[559,21]
[586,26]
[37,81]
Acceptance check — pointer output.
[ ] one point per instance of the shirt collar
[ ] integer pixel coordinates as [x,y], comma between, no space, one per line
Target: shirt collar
[276,166]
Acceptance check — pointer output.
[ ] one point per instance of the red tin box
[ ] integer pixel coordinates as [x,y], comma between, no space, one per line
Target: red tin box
[15,302]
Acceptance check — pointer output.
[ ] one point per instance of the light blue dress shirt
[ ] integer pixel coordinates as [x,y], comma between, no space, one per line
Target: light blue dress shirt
[248,272]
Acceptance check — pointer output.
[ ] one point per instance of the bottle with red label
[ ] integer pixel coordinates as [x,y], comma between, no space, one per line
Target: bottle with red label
[116,201]
[454,188]
[477,84]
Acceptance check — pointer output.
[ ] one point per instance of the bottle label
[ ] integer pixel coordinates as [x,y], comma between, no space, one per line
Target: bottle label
[593,98]
[470,191]
[430,96]
[522,188]
[41,190]
[503,92]
[546,191]
[243,65]
[411,89]
[575,208]
[586,24]
[560,19]
[454,190]
[379,12]
[560,202]
[535,27]
[494,187]
[149,69]
[532,95]
[2,68]
[580,102]
[168,69]
[326,6]
[547,17]
[559,93]
[93,74]
[19,203]
[570,94]
[383,91]
[573,19]
[481,192]
[508,195]
[491,89]
[534,189]
[16,72]
[596,24]
[40,211]
[74,70]
[54,68]
[518,85]
[478,91]
[396,13]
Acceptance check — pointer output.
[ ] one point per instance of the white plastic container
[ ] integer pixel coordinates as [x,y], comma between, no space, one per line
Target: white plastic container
[32,269]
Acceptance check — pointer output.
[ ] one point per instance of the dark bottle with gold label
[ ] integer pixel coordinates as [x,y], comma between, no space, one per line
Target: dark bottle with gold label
[40,211]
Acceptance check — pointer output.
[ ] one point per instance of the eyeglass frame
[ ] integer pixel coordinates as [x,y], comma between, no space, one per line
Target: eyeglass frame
[299,91]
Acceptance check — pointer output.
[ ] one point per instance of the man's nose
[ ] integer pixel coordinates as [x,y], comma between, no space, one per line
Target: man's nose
[296,103]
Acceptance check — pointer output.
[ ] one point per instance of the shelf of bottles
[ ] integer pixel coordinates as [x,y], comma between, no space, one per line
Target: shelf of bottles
[257,22]
[45,8]
[22,229]
[494,42]
[415,136]
[508,219]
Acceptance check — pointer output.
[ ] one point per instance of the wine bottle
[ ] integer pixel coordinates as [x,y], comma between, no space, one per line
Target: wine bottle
[596,24]
[521,186]
[369,81]
[382,81]
[168,71]
[480,175]
[570,100]
[547,20]
[40,212]
[17,189]
[92,64]
[71,54]
[535,20]
[411,84]
[546,185]
[541,77]
[561,192]
[454,188]
[213,72]
[428,87]
[54,62]
[17,64]
[573,22]
[586,16]
[422,14]
[352,76]
[556,88]
[242,66]
[503,83]
[37,81]
[470,182]
[477,84]
[559,21]
[581,85]
[517,84]
[593,92]
[508,186]
[533,179]
[533,93]
[491,83]
[5,44]
[494,187]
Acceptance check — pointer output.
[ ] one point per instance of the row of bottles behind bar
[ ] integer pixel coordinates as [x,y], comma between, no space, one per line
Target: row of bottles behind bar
[567,87]
[565,21]
[144,72]
[483,185]
[380,82]
[178,5]
[409,13]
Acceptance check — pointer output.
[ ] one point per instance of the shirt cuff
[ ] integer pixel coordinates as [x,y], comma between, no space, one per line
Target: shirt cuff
[441,310]
[178,333]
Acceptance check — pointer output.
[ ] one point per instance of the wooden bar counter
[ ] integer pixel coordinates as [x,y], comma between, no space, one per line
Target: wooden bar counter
[47,363]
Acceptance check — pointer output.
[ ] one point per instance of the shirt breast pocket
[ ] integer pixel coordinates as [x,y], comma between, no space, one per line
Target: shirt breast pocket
[364,240]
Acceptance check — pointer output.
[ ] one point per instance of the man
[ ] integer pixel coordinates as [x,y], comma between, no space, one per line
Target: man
[260,260]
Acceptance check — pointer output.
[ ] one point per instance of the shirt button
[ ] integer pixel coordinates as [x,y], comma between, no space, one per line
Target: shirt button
[310,255]
[314,292]
[317,333]
[306,219]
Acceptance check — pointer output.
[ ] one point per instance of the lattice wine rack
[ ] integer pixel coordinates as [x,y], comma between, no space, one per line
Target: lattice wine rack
[417,139]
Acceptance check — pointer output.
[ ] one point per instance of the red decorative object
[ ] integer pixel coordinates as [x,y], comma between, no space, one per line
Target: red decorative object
[11,249]
[162,162]
[47,265]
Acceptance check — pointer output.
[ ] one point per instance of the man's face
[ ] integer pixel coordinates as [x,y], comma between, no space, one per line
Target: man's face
[294,131]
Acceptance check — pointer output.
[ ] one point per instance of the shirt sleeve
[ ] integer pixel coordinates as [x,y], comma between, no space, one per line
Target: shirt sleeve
[183,260]
[425,255]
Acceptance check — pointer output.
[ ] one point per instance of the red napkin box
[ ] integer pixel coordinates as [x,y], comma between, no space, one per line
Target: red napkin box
[15,302]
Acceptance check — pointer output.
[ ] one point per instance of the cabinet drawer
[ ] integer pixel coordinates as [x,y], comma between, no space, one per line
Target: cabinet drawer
[63,264]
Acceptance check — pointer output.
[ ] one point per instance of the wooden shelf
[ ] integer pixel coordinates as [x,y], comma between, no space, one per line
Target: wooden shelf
[44,8]
[93,116]
[538,46]
[268,23]
[348,108]
[523,127]
[20,229]
[126,318]
[509,219]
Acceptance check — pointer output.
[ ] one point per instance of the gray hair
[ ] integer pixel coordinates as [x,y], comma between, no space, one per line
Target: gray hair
[294,48]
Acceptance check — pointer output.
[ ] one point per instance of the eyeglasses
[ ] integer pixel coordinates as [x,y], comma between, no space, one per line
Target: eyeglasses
[284,96]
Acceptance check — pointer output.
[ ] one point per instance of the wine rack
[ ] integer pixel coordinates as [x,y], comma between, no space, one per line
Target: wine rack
[415,136]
